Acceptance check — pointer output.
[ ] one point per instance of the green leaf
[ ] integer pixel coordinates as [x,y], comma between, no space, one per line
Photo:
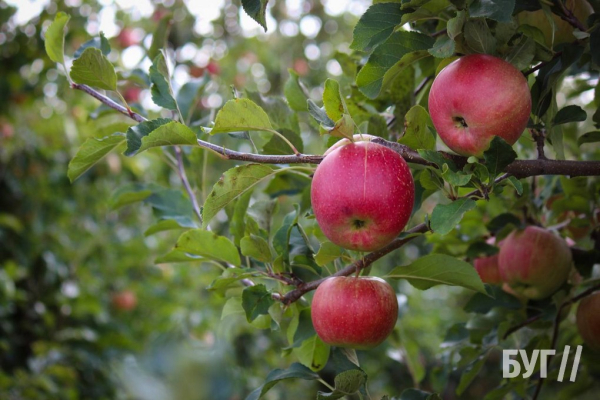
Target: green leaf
[99,42]
[455,178]
[375,26]
[455,25]
[521,55]
[232,184]
[483,303]
[479,37]
[446,216]
[443,48]
[320,115]
[281,240]
[498,156]
[439,269]
[277,145]
[295,371]
[130,194]
[90,152]
[208,244]
[256,247]
[233,306]
[344,127]
[55,38]
[159,36]
[156,133]
[170,134]
[313,353]
[170,224]
[417,134]
[295,95]
[256,301]
[335,107]
[327,253]
[230,277]
[500,221]
[416,394]
[257,10]
[241,115]
[589,137]
[237,225]
[569,114]
[280,114]
[94,69]
[162,92]
[438,159]
[176,256]
[139,131]
[498,10]
[189,95]
[514,182]
[370,79]
[346,383]
[468,376]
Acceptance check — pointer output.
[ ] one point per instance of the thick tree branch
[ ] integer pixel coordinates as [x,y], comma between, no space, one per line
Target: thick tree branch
[367,260]
[519,168]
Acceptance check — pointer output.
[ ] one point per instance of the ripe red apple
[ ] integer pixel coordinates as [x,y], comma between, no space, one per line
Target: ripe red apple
[357,312]
[476,98]
[487,268]
[534,262]
[362,195]
[125,300]
[588,320]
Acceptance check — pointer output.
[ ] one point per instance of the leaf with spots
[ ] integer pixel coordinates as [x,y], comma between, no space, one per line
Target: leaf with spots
[209,245]
[234,183]
[313,353]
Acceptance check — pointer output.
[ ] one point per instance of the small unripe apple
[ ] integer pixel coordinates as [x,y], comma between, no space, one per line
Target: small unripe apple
[132,94]
[476,98]
[362,195]
[534,262]
[588,320]
[487,268]
[356,312]
[125,300]
[563,31]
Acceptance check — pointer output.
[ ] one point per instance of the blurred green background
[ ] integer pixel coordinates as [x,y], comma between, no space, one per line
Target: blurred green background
[85,312]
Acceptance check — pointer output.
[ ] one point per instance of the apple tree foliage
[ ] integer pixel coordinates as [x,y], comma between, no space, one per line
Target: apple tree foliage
[232,202]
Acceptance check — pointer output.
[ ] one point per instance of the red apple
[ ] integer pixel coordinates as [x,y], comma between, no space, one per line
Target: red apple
[132,94]
[534,262]
[125,300]
[476,98]
[126,38]
[487,268]
[357,312]
[588,320]
[362,195]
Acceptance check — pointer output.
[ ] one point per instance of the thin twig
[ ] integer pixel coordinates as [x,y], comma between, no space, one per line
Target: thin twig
[542,64]
[364,262]
[555,332]
[569,16]
[518,168]
[186,182]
